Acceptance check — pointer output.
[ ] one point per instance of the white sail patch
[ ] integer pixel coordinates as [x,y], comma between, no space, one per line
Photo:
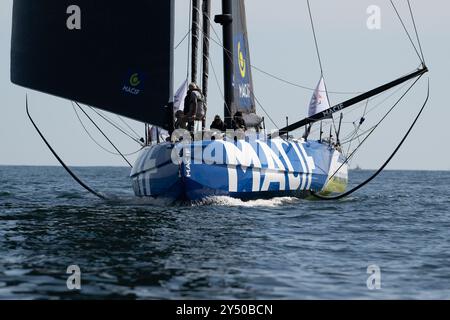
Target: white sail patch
[319,101]
[179,97]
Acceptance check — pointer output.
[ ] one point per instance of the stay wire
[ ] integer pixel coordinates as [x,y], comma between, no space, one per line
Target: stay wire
[315,37]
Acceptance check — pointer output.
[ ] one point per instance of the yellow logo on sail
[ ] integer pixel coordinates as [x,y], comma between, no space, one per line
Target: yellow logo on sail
[134,80]
[242,62]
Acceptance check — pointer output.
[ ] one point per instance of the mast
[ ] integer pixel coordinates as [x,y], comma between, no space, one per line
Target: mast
[206,34]
[195,38]
[330,111]
[226,19]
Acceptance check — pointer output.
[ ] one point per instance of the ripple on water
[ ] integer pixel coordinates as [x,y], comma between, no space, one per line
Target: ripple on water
[130,247]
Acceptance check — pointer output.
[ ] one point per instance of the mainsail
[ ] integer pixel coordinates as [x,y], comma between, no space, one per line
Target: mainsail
[115,56]
[243,97]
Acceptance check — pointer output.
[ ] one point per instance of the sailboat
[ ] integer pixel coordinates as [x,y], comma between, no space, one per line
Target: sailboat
[120,58]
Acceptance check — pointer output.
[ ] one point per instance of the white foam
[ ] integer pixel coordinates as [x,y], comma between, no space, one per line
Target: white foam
[220,201]
[233,202]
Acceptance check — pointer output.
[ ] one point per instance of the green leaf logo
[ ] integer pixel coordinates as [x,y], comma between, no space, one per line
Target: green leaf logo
[134,80]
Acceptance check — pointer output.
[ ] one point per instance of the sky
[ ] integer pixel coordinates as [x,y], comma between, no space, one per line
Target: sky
[354,59]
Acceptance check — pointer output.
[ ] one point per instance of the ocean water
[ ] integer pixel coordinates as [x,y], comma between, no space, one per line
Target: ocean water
[283,248]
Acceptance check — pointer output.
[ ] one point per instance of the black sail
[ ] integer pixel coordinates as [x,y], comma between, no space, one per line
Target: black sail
[116,56]
[243,97]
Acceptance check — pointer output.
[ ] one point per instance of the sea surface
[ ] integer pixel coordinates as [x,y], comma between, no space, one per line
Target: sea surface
[223,248]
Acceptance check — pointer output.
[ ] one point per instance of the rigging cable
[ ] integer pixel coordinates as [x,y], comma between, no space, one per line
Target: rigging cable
[315,37]
[300,86]
[376,126]
[387,161]
[69,171]
[271,75]
[112,123]
[106,137]
[228,53]
[406,30]
[182,40]
[264,110]
[415,29]
[218,85]
[94,140]
[129,127]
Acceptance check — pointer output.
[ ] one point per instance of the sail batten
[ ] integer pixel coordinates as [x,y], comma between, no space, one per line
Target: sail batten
[117,57]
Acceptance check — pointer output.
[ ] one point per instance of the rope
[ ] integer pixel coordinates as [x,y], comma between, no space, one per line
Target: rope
[70,172]
[387,161]
[106,137]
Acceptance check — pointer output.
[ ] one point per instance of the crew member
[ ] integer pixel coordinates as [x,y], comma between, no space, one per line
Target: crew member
[180,120]
[218,124]
[195,108]
[238,122]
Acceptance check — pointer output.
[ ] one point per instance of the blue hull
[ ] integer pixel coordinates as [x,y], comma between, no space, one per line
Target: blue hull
[242,169]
